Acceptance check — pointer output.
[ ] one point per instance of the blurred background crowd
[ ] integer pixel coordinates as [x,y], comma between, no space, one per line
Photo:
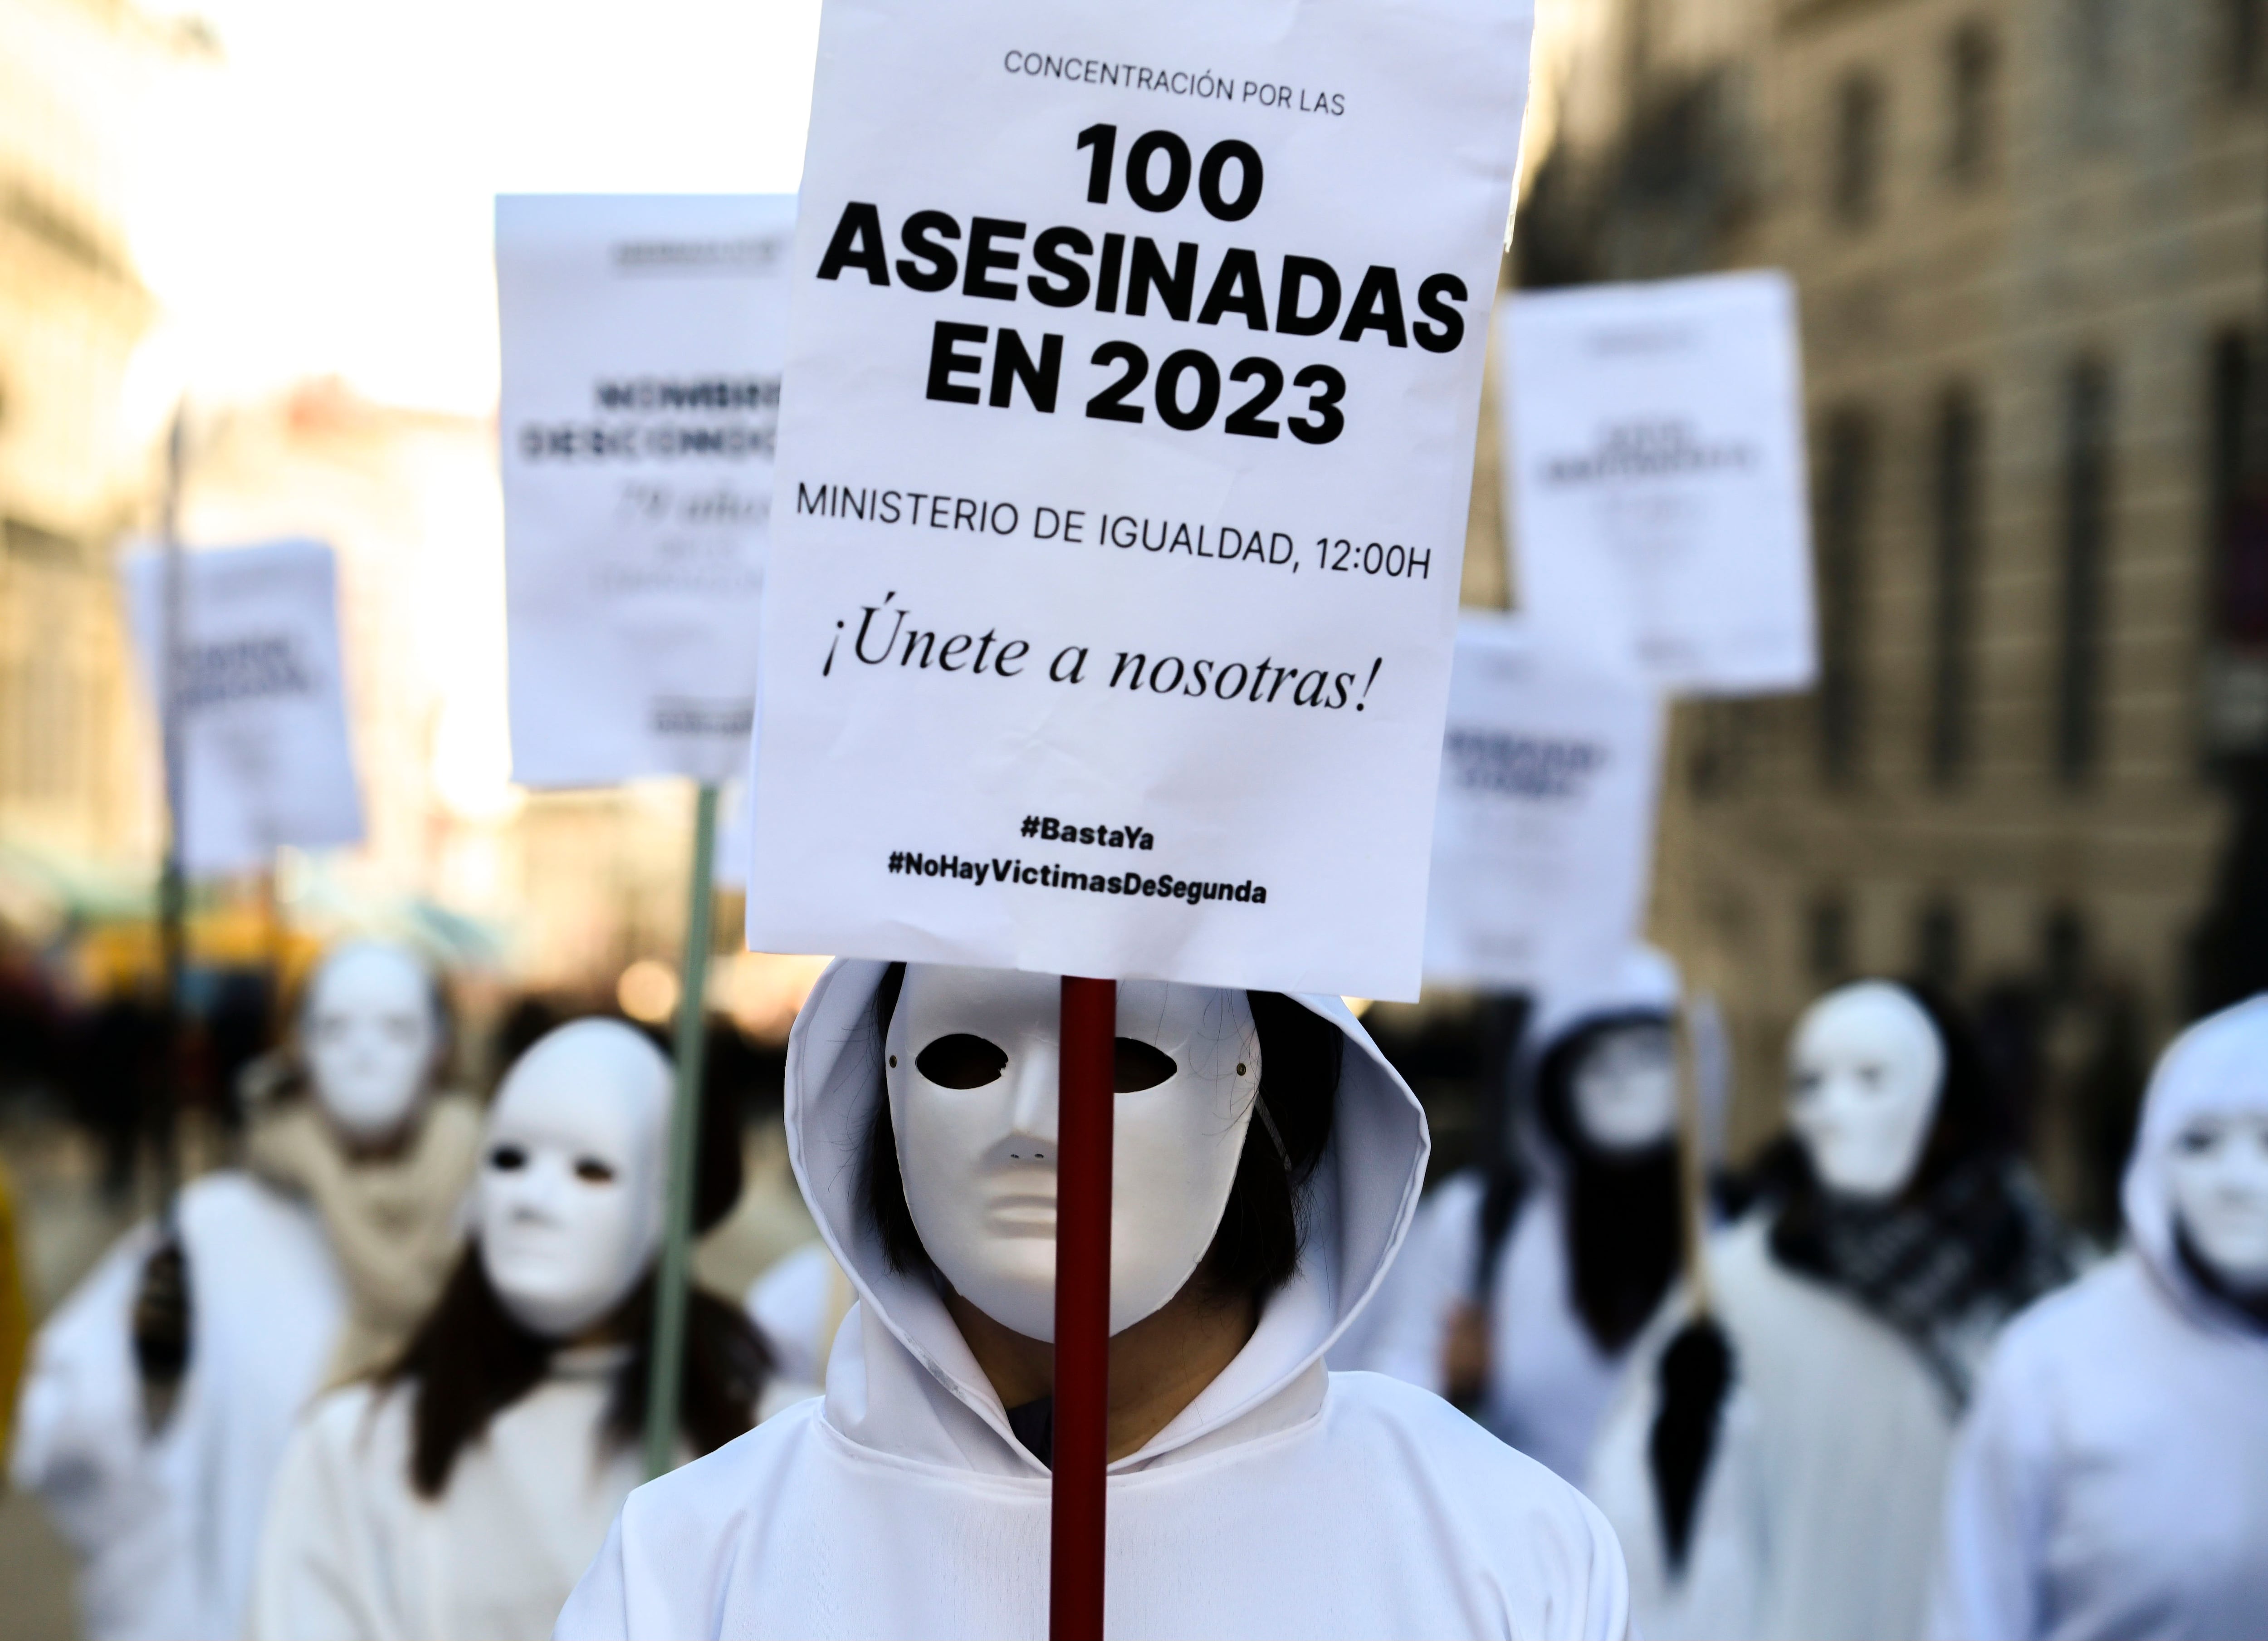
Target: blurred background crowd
[2029,238]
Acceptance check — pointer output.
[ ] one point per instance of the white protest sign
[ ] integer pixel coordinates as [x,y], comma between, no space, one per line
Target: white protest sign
[1134,370]
[1654,455]
[1543,835]
[642,344]
[263,716]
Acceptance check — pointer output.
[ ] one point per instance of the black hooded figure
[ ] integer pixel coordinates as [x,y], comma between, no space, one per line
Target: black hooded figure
[1527,1283]
[1893,1232]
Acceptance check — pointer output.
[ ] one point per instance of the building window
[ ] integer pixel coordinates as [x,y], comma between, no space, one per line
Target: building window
[2086,547]
[1858,149]
[2092,27]
[1826,939]
[1937,944]
[2062,954]
[1959,529]
[2241,33]
[2236,539]
[2227,405]
[1845,498]
[1973,76]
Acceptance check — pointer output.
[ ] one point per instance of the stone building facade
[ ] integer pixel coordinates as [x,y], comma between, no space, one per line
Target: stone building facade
[74,75]
[2029,238]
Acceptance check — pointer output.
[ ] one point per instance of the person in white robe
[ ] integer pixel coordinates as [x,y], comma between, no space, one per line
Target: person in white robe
[460,1492]
[1266,1163]
[162,1390]
[1522,1287]
[1858,1297]
[2111,1480]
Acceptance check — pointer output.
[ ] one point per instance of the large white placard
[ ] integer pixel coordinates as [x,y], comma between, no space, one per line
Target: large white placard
[1134,369]
[1543,836]
[1654,456]
[642,336]
[263,726]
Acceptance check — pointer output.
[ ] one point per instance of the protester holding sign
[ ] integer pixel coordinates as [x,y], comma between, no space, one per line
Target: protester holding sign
[163,1391]
[1251,1491]
[1523,1289]
[460,1490]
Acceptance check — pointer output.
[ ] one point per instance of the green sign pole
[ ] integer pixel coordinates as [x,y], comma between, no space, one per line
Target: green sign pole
[673,1279]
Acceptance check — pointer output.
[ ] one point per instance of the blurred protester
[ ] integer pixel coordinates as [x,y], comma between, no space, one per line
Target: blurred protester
[28,1020]
[2113,1477]
[460,1491]
[1521,1289]
[237,1030]
[1859,1296]
[163,1390]
[115,1056]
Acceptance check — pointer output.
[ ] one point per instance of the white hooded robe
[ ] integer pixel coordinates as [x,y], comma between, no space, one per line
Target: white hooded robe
[2111,1479]
[1817,1518]
[1285,1500]
[165,1527]
[1549,1382]
[352,1553]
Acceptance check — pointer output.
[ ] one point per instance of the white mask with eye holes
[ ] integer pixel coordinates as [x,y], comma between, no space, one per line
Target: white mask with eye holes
[569,1203]
[1624,1088]
[2217,1174]
[370,1034]
[1866,1068]
[971,1063]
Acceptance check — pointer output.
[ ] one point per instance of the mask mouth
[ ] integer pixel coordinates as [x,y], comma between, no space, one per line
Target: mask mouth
[1021,1214]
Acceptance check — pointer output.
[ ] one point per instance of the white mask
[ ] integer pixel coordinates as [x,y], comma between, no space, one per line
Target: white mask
[2217,1173]
[1624,1088]
[569,1202]
[976,1124]
[1864,1071]
[372,1034]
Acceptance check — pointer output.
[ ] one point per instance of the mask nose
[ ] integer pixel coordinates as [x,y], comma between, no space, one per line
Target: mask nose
[1032,1114]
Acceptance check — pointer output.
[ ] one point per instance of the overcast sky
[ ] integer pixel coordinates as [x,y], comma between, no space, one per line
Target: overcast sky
[320,202]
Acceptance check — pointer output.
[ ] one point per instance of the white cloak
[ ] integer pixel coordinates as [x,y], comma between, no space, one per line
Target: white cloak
[1285,1500]
[166,1528]
[2111,1479]
[1549,1382]
[352,1553]
[1818,1518]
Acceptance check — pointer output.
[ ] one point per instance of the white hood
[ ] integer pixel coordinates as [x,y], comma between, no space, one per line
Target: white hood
[2219,1064]
[903,1380]
[1645,981]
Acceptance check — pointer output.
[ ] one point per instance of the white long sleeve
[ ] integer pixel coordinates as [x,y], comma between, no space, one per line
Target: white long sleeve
[1997,1498]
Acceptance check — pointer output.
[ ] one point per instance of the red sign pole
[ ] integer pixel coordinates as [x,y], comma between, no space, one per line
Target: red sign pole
[1082,1391]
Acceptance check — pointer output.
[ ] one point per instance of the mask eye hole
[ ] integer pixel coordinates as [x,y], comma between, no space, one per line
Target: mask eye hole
[591,1171]
[962,1061]
[507,1159]
[1136,1066]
